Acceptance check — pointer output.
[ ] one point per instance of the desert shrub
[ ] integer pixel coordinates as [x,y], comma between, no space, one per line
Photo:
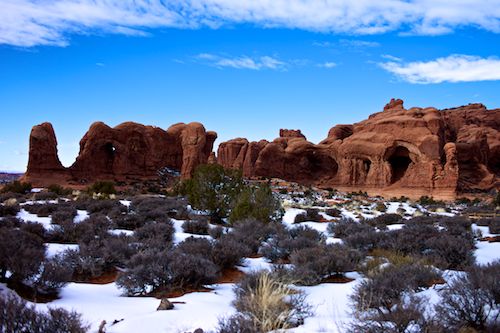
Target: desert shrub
[333,212]
[191,270]
[252,233]
[456,225]
[9,210]
[45,195]
[17,316]
[63,213]
[101,254]
[311,214]
[152,270]
[346,227]
[53,274]
[197,227]
[102,187]
[393,257]
[41,209]
[35,229]
[450,252]
[196,246]
[384,220]
[145,271]
[237,323]
[16,197]
[268,303]
[155,235]
[426,201]
[129,221]
[312,265]
[216,232]
[472,300]
[256,202]
[381,303]
[58,189]
[385,288]
[159,207]
[381,207]
[406,315]
[214,189]
[284,241]
[9,222]
[21,261]
[16,187]
[494,226]
[366,240]
[442,247]
[229,251]
[107,207]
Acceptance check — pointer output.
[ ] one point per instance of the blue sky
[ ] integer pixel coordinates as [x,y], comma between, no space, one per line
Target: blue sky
[242,68]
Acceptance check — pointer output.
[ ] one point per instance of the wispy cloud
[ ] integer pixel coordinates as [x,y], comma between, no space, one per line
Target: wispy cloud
[391,57]
[328,64]
[50,22]
[454,68]
[349,44]
[242,62]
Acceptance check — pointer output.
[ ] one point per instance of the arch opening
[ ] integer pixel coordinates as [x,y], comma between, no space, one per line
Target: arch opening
[110,152]
[399,161]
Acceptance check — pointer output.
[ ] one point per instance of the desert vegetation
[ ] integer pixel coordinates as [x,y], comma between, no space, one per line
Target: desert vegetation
[217,226]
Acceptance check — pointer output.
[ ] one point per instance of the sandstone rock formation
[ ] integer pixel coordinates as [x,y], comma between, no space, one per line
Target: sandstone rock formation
[414,152]
[411,152]
[128,152]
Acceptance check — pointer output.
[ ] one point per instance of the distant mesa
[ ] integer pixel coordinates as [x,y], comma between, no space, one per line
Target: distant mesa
[410,152]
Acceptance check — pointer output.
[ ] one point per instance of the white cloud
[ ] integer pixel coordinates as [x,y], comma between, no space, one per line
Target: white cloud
[50,22]
[328,65]
[391,57]
[454,68]
[243,62]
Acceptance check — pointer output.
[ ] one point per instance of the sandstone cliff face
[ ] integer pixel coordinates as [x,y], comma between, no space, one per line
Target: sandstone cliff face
[130,151]
[414,152]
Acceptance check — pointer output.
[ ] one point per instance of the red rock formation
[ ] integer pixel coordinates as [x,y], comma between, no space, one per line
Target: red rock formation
[414,152]
[43,160]
[411,152]
[127,152]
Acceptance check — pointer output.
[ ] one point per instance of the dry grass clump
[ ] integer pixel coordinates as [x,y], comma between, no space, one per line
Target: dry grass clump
[265,303]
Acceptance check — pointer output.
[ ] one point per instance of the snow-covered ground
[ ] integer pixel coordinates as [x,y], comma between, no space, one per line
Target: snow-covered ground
[329,301]
[138,314]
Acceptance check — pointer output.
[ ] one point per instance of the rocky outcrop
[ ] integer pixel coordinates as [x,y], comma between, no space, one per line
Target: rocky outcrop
[127,152]
[43,160]
[411,152]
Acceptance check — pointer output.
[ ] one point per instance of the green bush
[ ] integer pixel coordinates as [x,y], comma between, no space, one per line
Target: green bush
[256,202]
[212,188]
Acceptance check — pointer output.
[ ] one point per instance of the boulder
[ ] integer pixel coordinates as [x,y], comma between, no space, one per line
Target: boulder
[165,304]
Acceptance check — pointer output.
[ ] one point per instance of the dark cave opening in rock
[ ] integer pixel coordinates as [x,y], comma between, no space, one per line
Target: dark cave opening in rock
[400,161]
[366,166]
[320,165]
